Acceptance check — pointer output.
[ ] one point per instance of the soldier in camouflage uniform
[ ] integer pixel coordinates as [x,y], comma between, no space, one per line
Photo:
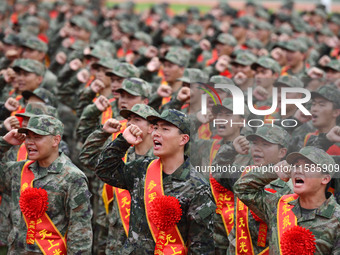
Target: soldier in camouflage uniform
[68,195]
[170,135]
[29,75]
[100,84]
[269,145]
[133,91]
[90,153]
[314,209]
[36,49]
[31,110]
[296,56]
[40,95]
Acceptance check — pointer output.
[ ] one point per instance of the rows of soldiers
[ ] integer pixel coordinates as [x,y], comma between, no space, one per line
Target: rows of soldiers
[119,132]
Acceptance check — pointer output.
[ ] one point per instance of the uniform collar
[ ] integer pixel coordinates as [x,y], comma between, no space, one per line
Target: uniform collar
[326,210]
[183,171]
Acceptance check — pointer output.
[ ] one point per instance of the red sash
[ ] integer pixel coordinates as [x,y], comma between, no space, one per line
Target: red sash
[124,205]
[224,199]
[88,83]
[204,132]
[286,218]
[42,231]
[244,244]
[172,240]
[22,152]
[123,123]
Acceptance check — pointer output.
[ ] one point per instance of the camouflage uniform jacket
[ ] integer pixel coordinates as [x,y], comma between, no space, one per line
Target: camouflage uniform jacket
[69,203]
[226,156]
[90,119]
[89,155]
[189,187]
[324,222]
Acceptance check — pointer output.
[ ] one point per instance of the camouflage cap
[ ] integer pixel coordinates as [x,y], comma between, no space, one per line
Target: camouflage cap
[289,81]
[325,31]
[263,25]
[227,103]
[106,62]
[267,63]
[78,45]
[244,58]
[141,110]
[240,22]
[42,94]
[136,87]
[226,39]
[320,12]
[271,133]
[284,30]
[220,79]
[178,56]
[193,29]
[12,39]
[334,64]
[171,41]
[144,37]
[335,19]
[193,75]
[127,27]
[294,45]
[35,43]
[176,118]
[262,13]
[82,22]
[189,42]
[81,2]
[254,44]
[98,52]
[316,156]
[330,93]
[29,65]
[33,109]
[44,125]
[124,70]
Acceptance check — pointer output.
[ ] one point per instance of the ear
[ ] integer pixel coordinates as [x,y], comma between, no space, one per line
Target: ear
[145,101]
[282,152]
[184,139]
[40,79]
[326,179]
[55,141]
[336,113]
[150,128]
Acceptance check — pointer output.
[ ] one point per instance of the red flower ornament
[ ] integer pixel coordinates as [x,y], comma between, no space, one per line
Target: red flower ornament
[217,186]
[33,202]
[298,240]
[165,213]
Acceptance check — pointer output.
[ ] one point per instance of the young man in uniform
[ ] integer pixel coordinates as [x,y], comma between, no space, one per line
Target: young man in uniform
[60,220]
[149,180]
[308,210]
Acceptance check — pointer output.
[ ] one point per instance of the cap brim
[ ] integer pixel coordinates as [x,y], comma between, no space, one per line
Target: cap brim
[315,94]
[36,131]
[111,73]
[153,119]
[294,156]
[252,137]
[217,108]
[23,114]
[126,113]
[128,91]
[27,94]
